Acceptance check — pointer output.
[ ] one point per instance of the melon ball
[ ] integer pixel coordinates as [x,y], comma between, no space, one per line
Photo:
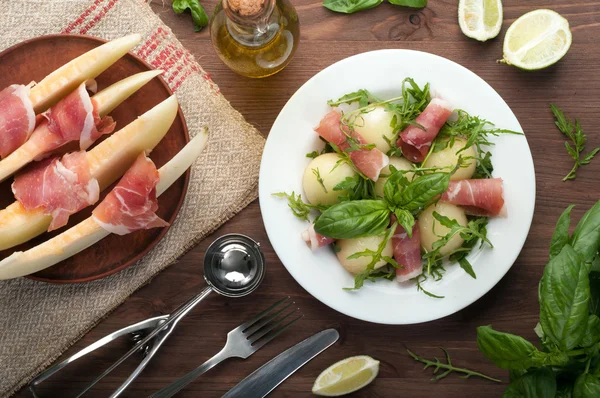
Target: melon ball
[350,246]
[398,163]
[449,157]
[373,125]
[431,230]
[317,193]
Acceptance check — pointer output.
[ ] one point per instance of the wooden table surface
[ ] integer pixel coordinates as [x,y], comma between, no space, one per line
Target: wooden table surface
[573,84]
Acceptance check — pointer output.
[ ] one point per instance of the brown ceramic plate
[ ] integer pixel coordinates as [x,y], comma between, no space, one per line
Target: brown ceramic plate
[34,59]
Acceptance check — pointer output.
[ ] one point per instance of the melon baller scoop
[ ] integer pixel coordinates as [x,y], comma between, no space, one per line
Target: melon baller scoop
[234,266]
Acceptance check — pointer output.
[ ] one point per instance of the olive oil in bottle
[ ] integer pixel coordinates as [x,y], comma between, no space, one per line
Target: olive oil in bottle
[255,38]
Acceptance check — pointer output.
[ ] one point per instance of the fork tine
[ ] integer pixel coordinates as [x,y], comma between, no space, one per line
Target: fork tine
[264,321]
[258,344]
[246,325]
[269,326]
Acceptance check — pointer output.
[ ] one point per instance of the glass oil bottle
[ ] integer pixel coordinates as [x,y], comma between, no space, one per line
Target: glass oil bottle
[255,38]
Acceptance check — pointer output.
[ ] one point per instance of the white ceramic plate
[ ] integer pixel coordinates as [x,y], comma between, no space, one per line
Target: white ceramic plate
[284,160]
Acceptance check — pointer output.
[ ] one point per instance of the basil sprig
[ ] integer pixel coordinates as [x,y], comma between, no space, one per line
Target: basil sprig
[354,219]
[351,6]
[568,364]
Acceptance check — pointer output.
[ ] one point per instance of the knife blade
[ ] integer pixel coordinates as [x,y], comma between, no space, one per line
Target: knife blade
[264,379]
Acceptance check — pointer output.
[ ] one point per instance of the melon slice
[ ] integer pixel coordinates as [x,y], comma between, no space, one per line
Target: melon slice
[88,232]
[106,100]
[108,161]
[87,66]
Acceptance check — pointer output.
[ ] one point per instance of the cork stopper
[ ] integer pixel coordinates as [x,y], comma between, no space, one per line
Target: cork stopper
[248,12]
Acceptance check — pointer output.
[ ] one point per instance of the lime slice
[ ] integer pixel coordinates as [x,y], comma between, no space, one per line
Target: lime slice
[537,40]
[346,376]
[480,19]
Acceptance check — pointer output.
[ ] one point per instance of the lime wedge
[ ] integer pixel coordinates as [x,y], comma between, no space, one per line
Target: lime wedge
[346,376]
[480,19]
[537,40]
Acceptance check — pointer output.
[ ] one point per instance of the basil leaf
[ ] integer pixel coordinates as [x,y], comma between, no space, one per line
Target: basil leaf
[506,350]
[561,232]
[594,292]
[564,389]
[592,332]
[409,3]
[199,16]
[586,386]
[423,190]
[350,6]
[354,219]
[537,383]
[586,237]
[564,297]
[406,220]
[393,186]
[514,374]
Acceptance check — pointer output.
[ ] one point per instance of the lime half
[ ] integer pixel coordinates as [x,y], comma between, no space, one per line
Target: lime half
[346,376]
[480,19]
[537,40]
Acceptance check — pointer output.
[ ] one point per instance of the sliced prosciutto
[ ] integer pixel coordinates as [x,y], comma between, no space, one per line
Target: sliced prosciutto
[132,204]
[414,141]
[369,162]
[58,187]
[314,240]
[74,118]
[17,118]
[407,253]
[480,197]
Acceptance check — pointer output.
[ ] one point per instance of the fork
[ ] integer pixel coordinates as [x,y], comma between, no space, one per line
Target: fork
[242,342]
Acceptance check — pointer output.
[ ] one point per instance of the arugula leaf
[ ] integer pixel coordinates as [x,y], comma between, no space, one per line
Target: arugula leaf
[506,350]
[536,383]
[586,236]
[371,275]
[586,386]
[312,155]
[354,219]
[317,174]
[564,297]
[423,190]
[362,96]
[561,233]
[199,16]
[410,3]
[436,364]
[350,6]
[298,206]
[356,187]
[473,231]
[484,167]
[478,224]
[578,139]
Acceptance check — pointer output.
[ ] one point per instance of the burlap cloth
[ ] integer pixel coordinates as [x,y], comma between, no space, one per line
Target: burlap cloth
[39,321]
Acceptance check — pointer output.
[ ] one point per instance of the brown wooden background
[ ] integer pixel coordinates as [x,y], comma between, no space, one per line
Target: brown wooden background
[573,84]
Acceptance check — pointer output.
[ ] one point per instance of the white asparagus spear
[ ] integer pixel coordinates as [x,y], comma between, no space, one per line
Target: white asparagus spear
[108,161]
[88,232]
[87,66]
[106,100]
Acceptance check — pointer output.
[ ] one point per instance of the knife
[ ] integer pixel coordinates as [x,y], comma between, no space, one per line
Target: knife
[264,379]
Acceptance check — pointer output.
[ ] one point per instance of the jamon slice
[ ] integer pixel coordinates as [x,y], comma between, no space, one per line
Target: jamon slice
[59,187]
[17,118]
[369,162]
[132,204]
[480,197]
[74,118]
[407,253]
[314,240]
[414,141]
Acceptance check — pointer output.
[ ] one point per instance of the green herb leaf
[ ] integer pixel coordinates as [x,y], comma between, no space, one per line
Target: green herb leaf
[594,293]
[536,383]
[592,332]
[350,6]
[406,220]
[586,236]
[199,16]
[506,350]
[564,389]
[564,297]
[586,386]
[394,185]
[436,364]
[371,275]
[297,205]
[356,187]
[484,167]
[410,3]
[312,155]
[423,190]
[466,265]
[561,233]
[578,139]
[317,174]
[354,219]
[362,96]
